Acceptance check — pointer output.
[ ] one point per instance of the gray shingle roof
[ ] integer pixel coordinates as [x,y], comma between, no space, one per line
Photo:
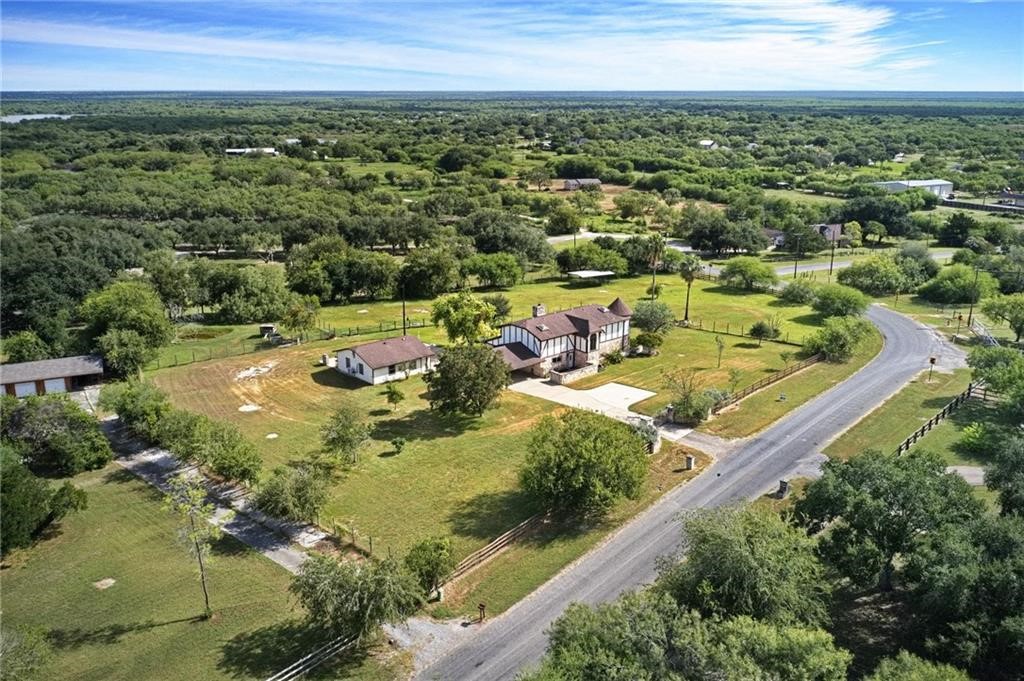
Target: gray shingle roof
[41,370]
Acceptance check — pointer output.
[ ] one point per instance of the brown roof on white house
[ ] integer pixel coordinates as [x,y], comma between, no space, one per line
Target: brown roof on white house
[517,356]
[43,369]
[579,321]
[620,308]
[384,353]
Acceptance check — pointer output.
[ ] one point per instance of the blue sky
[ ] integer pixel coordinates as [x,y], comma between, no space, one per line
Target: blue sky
[969,45]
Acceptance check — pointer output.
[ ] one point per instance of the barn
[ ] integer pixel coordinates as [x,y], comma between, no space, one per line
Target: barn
[50,376]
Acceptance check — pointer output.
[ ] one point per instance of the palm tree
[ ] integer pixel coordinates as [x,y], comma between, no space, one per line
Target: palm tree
[655,251]
[689,267]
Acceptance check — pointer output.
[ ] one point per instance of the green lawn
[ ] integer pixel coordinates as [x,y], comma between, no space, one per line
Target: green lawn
[801,197]
[454,476]
[763,408]
[143,627]
[943,438]
[527,564]
[690,348]
[710,304]
[888,425]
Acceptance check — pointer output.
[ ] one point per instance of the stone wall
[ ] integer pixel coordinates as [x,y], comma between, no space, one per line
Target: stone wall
[565,377]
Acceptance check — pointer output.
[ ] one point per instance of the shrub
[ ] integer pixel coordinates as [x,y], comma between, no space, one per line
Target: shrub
[431,561]
[613,357]
[763,329]
[798,292]
[294,493]
[748,272]
[652,315]
[977,439]
[838,338]
[649,339]
[955,285]
[836,300]
[55,435]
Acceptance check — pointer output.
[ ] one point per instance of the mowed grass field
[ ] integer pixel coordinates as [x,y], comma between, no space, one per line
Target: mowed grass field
[144,626]
[709,303]
[888,425]
[455,476]
[686,349]
[764,407]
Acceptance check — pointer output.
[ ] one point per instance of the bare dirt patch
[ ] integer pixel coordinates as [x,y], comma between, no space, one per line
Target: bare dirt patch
[254,371]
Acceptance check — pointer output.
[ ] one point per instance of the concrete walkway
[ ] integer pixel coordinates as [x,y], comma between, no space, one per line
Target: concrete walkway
[280,541]
[974,475]
[610,399]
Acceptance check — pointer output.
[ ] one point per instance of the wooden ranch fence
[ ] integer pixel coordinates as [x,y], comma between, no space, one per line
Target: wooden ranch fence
[972,390]
[481,555]
[767,381]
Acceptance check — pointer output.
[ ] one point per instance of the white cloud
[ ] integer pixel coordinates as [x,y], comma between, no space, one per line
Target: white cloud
[651,45]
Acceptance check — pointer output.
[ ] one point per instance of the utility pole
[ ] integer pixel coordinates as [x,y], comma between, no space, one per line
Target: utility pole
[970,313]
[832,259]
[404,318]
[796,256]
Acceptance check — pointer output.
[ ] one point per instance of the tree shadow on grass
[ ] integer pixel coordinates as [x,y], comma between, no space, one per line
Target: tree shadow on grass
[487,515]
[65,639]
[123,476]
[871,625]
[228,546]
[424,424]
[266,651]
[809,319]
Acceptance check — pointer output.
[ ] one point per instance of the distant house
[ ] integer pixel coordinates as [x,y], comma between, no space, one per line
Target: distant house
[50,376]
[899,158]
[243,151]
[940,188]
[751,146]
[830,232]
[1008,198]
[776,237]
[386,360]
[580,183]
[707,144]
[564,340]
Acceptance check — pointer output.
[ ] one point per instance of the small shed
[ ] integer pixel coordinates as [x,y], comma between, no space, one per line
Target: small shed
[591,275]
[50,376]
[267,330]
[581,183]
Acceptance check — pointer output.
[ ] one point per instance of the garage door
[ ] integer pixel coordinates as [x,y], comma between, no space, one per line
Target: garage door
[54,385]
[25,389]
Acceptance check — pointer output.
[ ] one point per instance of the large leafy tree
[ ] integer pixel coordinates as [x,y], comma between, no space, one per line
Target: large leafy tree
[344,433]
[747,272]
[1005,475]
[646,636]
[27,503]
[876,506]
[25,346]
[748,561]
[467,380]
[355,598]
[583,462]
[465,318]
[909,667]
[652,315]
[55,435]
[127,306]
[125,352]
[966,590]
[836,300]
[1009,309]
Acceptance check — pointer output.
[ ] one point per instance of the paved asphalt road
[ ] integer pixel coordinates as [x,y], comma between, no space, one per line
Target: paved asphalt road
[517,639]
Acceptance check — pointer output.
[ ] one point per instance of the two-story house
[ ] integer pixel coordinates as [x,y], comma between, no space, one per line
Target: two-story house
[564,340]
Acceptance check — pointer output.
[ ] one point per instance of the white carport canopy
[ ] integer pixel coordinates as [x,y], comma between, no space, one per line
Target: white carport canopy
[591,274]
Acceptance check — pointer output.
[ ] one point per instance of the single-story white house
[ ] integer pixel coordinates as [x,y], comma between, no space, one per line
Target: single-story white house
[50,376]
[243,151]
[707,144]
[580,183]
[941,188]
[564,340]
[391,359]
[1008,198]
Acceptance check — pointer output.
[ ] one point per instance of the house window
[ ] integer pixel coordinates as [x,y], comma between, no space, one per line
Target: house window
[360,368]
[391,369]
[593,342]
[348,362]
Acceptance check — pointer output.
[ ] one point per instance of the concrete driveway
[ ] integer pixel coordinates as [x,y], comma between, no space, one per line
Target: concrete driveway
[610,399]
